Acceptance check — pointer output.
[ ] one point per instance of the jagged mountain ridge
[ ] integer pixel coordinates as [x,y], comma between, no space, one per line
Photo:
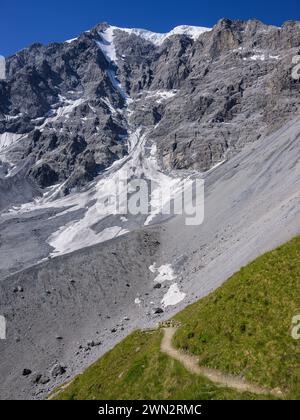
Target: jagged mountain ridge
[201,95]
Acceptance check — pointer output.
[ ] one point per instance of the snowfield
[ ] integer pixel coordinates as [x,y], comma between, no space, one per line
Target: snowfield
[108,47]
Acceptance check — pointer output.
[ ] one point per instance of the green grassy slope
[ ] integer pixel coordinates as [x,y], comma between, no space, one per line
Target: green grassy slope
[136,369]
[242,328]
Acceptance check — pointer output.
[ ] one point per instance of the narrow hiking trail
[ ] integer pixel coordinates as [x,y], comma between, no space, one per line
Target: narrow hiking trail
[191,363]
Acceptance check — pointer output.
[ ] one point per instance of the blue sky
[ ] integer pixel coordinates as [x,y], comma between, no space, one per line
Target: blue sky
[25,22]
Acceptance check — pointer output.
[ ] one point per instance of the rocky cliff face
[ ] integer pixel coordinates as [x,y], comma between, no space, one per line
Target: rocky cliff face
[69,108]
[76,116]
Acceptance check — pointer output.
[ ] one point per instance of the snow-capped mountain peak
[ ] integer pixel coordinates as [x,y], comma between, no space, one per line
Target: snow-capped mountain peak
[158,38]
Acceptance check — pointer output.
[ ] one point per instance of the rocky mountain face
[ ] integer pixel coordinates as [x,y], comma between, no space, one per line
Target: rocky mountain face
[77,116]
[67,109]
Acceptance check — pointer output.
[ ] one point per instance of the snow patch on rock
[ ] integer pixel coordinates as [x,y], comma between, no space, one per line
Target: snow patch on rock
[165,272]
[161,95]
[8,139]
[70,238]
[173,296]
[108,48]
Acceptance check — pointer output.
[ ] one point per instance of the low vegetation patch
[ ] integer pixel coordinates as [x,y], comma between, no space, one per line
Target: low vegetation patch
[244,327]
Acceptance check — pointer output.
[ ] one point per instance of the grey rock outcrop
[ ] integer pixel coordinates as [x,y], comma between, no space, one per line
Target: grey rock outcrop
[58,370]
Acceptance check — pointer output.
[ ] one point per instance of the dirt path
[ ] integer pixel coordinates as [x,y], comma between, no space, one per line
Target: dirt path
[61,389]
[191,363]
